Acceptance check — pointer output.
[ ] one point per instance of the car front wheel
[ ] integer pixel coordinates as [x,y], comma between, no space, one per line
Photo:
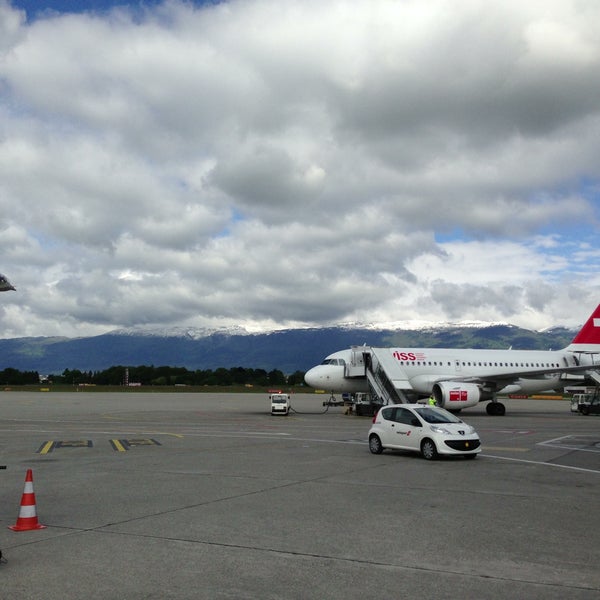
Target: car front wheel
[428,449]
[375,444]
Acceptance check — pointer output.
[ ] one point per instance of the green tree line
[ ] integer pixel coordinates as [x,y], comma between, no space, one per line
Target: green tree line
[151,375]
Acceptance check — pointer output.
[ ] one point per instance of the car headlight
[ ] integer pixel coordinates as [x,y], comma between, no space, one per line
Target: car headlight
[437,429]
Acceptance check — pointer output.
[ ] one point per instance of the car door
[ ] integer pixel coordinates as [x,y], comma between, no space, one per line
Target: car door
[387,426]
[408,429]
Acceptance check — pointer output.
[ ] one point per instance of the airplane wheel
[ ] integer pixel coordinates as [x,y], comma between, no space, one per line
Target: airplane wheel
[495,409]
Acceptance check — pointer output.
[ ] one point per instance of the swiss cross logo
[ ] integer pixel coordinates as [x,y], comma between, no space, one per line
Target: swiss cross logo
[596,322]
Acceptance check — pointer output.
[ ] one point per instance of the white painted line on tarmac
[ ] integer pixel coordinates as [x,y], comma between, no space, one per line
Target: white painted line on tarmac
[542,463]
[563,443]
[13,430]
[558,439]
[577,448]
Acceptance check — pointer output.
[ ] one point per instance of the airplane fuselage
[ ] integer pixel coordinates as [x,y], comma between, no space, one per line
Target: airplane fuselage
[424,367]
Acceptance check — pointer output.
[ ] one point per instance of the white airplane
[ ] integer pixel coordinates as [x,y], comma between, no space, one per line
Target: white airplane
[5,284]
[460,378]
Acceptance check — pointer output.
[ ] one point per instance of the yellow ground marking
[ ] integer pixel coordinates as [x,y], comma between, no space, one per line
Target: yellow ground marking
[47,447]
[118,446]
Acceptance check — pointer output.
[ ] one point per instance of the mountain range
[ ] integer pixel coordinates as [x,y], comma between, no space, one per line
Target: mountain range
[288,350]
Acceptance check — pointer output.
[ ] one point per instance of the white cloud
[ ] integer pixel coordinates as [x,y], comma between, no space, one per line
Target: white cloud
[299,163]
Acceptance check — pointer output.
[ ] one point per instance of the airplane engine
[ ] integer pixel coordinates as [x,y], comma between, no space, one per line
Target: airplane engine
[454,396]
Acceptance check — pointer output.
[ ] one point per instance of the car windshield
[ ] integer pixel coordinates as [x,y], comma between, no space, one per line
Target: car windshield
[431,414]
[278,400]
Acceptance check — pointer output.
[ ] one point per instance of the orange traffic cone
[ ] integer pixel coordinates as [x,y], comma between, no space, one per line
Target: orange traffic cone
[27,516]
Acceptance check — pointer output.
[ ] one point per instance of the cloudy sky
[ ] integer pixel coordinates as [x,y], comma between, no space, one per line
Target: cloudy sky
[286,163]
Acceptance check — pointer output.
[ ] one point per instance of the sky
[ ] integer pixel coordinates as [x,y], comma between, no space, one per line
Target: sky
[271,164]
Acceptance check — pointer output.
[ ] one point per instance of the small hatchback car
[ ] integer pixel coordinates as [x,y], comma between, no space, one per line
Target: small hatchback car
[426,429]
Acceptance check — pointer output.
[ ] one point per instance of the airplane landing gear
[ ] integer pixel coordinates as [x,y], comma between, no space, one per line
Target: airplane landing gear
[333,401]
[495,409]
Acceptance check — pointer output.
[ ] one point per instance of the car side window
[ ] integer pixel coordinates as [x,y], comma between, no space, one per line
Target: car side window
[404,416]
[388,414]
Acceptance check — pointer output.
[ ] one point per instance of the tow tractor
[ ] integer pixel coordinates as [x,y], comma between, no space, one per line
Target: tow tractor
[586,403]
[365,405]
[280,403]
[592,407]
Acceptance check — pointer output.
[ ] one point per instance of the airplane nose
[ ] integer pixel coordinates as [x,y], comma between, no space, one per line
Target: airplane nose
[311,377]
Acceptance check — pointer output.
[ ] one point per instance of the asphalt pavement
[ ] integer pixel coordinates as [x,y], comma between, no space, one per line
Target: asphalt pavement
[175,495]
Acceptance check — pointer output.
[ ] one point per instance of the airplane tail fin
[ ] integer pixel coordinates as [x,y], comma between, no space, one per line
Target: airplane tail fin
[588,338]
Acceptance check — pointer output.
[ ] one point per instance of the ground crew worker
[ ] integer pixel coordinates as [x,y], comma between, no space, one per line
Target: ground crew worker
[431,400]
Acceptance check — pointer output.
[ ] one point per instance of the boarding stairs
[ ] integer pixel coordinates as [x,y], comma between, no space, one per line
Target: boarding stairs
[594,375]
[387,381]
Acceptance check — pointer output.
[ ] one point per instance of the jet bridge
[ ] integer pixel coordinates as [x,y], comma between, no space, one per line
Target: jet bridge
[387,381]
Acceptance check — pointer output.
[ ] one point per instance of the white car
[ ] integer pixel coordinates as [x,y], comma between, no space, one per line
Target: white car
[426,429]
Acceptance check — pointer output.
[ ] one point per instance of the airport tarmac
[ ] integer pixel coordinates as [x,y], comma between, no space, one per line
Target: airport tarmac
[176,495]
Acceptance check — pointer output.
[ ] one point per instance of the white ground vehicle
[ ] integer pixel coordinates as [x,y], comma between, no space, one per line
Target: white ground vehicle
[280,404]
[364,405]
[429,430]
[580,400]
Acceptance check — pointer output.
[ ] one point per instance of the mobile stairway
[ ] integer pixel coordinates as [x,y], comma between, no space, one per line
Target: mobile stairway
[595,376]
[387,380]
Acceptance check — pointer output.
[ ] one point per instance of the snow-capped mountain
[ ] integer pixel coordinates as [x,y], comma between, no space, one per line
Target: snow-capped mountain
[289,350]
[193,333]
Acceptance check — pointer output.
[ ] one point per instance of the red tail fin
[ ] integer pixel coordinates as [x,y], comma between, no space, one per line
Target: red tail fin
[588,339]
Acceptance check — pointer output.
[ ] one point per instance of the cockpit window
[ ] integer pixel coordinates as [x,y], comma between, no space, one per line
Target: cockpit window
[334,361]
